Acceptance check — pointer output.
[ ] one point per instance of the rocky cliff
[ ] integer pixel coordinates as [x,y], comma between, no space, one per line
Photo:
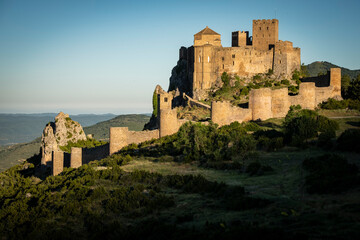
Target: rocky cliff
[59,133]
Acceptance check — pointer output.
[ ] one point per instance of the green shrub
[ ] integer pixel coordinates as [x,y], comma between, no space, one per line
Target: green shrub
[292,88]
[349,140]
[334,104]
[225,78]
[244,91]
[301,125]
[324,140]
[329,174]
[285,82]
[267,84]
[277,84]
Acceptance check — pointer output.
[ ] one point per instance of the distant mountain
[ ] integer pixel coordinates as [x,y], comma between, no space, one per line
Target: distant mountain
[22,128]
[322,67]
[11,155]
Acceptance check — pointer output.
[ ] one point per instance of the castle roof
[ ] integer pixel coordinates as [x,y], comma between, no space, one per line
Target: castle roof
[207,31]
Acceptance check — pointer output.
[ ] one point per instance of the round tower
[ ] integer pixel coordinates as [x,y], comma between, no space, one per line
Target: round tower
[260,103]
[168,122]
[280,102]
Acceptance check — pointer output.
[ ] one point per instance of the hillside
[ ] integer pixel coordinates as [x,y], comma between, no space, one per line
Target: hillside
[322,67]
[22,128]
[201,183]
[10,155]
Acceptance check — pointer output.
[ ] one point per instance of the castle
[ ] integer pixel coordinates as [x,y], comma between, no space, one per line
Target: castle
[263,52]
[247,57]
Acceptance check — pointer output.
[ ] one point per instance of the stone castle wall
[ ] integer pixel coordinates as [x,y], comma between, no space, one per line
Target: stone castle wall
[265,103]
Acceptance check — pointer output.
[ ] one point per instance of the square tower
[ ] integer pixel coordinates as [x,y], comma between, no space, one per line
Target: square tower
[265,33]
[240,38]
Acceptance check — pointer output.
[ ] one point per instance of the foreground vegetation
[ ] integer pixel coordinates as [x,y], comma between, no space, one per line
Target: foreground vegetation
[278,179]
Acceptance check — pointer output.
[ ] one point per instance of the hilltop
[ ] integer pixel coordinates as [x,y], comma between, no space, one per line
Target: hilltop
[322,67]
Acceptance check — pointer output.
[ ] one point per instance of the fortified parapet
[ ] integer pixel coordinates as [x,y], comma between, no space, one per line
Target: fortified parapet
[307,95]
[280,102]
[118,138]
[260,103]
[57,162]
[168,122]
[335,81]
[76,157]
[219,112]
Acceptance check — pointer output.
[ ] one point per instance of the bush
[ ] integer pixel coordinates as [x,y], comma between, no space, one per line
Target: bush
[268,84]
[329,174]
[285,82]
[334,104]
[244,91]
[324,140]
[225,78]
[292,88]
[349,140]
[301,125]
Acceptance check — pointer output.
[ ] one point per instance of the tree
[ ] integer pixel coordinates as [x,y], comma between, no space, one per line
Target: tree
[354,89]
[345,84]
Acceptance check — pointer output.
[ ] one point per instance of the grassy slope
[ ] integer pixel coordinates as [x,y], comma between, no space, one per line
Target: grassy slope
[291,208]
[11,155]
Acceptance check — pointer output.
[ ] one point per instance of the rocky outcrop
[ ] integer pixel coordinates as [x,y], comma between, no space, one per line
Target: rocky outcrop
[59,133]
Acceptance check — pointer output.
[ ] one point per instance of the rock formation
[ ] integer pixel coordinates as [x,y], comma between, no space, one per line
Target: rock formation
[59,133]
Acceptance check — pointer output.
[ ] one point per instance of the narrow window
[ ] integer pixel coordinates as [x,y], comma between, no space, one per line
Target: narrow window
[223,66]
[233,56]
[267,28]
[233,63]
[222,58]
[165,99]
[259,28]
[199,59]
[250,61]
[208,58]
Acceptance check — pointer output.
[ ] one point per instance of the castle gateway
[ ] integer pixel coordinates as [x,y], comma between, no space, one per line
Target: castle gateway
[207,59]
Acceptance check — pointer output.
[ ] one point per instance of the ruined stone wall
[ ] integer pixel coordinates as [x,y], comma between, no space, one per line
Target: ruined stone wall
[322,94]
[121,137]
[96,153]
[223,113]
[265,33]
[57,162]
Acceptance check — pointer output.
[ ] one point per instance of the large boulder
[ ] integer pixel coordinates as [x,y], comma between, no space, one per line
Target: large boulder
[59,133]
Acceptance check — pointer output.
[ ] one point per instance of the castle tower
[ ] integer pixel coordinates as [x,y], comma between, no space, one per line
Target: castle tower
[204,61]
[265,34]
[335,81]
[260,103]
[240,38]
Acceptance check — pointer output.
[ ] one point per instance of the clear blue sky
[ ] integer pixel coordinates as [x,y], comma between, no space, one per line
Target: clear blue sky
[107,56]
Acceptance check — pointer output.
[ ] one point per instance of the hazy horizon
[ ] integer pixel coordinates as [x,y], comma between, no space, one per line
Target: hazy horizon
[108,56]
